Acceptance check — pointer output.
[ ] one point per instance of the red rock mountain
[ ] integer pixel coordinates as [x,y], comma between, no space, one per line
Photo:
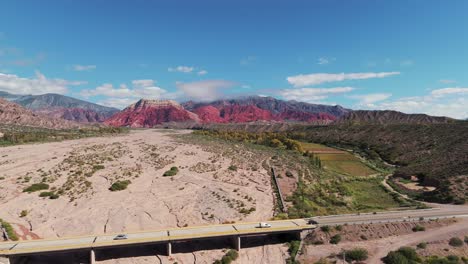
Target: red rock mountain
[256,108]
[14,114]
[149,113]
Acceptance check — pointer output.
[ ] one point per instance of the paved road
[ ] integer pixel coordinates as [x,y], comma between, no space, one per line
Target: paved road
[395,216]
[146,237]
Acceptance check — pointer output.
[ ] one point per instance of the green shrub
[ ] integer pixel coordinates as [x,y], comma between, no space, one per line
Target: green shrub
[232,167]
[466,239]
[455,242]
[357,254]
[338,227]
[418,228]
[173,171]
[98,167]
[422,245]
[226,260]
[335,239]
[233,254]
[36,187]
[119,185]
[24,213]
[325,228]
[9,229]
[294,248]
[404,255]
[45,194]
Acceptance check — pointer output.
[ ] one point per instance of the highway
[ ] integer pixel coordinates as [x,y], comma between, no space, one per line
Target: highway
[223,230]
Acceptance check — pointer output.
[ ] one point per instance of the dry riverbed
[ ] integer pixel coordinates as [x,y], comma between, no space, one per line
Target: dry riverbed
[210,187]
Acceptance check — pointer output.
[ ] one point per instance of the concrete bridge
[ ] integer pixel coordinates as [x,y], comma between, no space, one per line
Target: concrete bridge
[12,252]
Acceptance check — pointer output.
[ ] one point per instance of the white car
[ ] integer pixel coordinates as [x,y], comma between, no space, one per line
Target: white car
[121,237]
[264,225]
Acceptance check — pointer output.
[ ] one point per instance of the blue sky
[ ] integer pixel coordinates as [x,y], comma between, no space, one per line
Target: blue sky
[404,55]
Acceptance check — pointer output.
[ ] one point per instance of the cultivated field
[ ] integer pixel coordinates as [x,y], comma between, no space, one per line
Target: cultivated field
[338,161]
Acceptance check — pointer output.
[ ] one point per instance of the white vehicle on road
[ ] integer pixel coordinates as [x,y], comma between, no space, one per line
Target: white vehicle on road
[264,225]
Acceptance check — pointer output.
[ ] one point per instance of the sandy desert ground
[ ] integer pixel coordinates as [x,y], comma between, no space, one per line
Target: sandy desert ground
[205,191]
[379,239]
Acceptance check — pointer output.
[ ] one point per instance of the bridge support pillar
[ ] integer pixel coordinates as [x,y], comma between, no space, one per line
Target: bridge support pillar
[299,235]
[169,249]
[236,242]
[92,257]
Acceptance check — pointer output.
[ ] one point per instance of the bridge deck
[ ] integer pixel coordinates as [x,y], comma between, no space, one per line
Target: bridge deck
[149,237]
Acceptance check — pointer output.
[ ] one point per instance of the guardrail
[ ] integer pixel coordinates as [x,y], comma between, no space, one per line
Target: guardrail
[280,194]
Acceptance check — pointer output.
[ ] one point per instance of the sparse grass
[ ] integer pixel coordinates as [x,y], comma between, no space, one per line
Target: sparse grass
[36,187]
[119,185]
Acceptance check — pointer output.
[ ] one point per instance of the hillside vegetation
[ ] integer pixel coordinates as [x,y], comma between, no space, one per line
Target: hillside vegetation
[435,153]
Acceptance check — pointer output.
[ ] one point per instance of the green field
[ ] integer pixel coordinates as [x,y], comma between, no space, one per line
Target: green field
[341,162]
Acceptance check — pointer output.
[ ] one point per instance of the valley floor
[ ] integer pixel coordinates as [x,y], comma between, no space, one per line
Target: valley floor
[210,187]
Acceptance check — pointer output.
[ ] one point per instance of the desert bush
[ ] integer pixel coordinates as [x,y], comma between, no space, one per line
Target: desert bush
[325,228]
[232,167]
[172,172]
[98,167]
[335,239]
[418,228]
[404,255]
[36,187]
[119,185]
[24,213]
[338,227]
[455,242]
[357,254]
[422,245]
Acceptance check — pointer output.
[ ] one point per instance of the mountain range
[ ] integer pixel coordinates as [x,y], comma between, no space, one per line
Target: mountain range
[61,106]
[254,109]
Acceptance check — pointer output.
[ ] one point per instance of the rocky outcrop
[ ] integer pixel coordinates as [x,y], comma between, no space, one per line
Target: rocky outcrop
[149,113]
[390,117]
[14,114]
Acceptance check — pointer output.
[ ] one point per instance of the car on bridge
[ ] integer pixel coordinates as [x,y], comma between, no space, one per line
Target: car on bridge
[263,225]
[121,237]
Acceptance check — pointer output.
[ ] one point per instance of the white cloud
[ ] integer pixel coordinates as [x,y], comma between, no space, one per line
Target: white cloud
[449,91]
[202,72]
[449,102]
[312,94]
[447,81]
[121,96]
[323,60]
[143,83]
[367,99]
[318,78]
[204,90]
[406,63]
[84,67]
[184,69]
[38,85]
[118,102]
